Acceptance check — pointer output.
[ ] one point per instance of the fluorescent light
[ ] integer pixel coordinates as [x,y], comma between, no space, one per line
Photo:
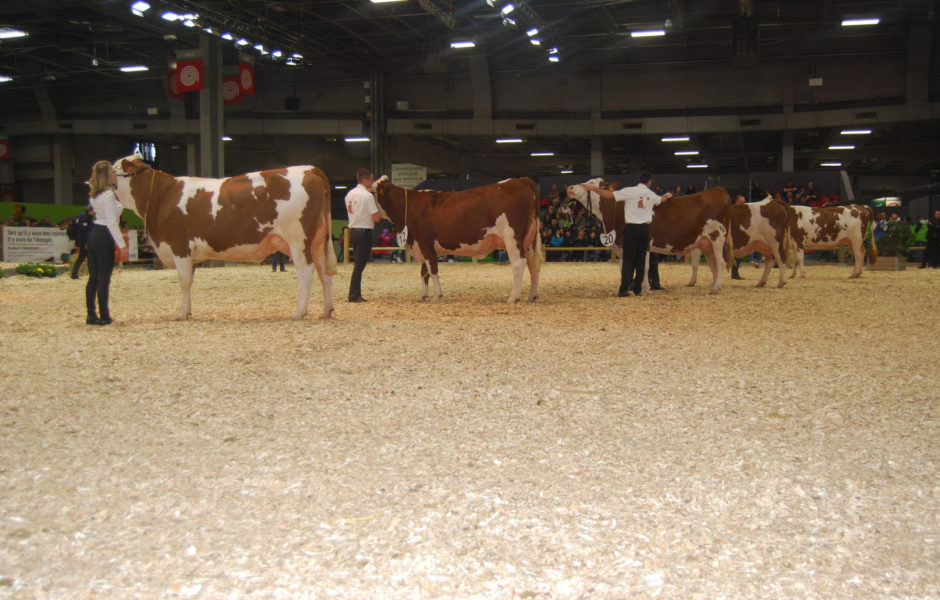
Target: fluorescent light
[226,138]
[508,140]
[170,16]
[553,50]
[553,58]
[260,48]
[675,139]
[856,131]
[566,171]
[542,154]
[532,32]
[228,36]
[242,42]
[277,54]
[10,34]
[189,23]
[860,21]
[843,147]
[463,44]
[686,152]
[507,9]
[535,41]
[648,33]
[830,164]
[357,139]
[297,56]
[209,30]
[5,78]
[385,1]
[134,68]
[696,166]
[339,186]
[141,6]
[509,22]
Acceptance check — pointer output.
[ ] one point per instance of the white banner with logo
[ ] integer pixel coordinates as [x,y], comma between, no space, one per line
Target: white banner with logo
[46,244]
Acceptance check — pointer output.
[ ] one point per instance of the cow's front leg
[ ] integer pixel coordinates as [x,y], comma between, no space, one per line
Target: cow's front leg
[425,274]
[645,288]
[432,267]
[185,269]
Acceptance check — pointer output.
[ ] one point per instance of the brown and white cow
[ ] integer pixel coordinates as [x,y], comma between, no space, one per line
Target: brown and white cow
[680,225]
[828,227]
[758,227]
[471,222]
[244,218]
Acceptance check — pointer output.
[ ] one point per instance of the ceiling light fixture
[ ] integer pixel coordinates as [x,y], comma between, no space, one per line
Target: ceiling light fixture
[227,36]
[535,41]
[134,68]
[686,152]
[553,58]
[675,139]
[5,78]
[696,166]
[7,33]
[566,171]
[648,33]
[507,9]
[226,138]
[842,147]
[139,8]
[830,164]
[463,44]
[385,1]
[857,22]
[170,16]
[508,140]
[532,32]
[242,42]
[357,139]
[856,131]
[542,154]
[277,54]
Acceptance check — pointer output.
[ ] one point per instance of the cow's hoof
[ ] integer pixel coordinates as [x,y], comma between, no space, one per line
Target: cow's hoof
[690,284]
[533,298]
[761,283]
[326,316]
[780,285]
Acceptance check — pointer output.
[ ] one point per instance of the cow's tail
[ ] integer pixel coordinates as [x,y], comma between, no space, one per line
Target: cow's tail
[729,246]
[789,255]
[536,224]
[329,253]
[870,234]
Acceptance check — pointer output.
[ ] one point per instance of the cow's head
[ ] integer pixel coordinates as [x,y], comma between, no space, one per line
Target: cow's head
[380,187]
[130,165]
[589,200]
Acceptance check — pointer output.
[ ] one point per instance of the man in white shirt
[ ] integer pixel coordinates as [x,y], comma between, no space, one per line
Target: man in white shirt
[363,215]
[638,204]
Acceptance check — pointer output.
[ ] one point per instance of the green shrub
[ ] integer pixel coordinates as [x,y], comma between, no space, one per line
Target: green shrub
[36,270]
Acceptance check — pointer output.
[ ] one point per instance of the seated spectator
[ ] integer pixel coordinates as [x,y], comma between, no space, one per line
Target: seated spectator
[801,196]
[757,192]
[811,198]
[690,190]
[554,193]
[557,241]
[789,193]
[594,240]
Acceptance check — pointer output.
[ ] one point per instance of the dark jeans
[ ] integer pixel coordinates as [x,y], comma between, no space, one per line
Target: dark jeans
[100,266]
[636,241]
[278,258]
[82,254]
[362,248]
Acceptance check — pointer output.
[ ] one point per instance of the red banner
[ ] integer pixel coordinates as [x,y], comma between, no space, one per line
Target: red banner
[189,75]
[231,92]
[246,79]
[4,149]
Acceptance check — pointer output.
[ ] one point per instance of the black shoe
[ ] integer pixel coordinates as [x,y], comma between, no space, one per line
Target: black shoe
[359,299]
[74,276]
[104,321]
[90,320]
[737,277]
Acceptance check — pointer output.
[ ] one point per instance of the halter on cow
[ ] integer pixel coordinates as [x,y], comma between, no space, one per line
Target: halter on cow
[243,218]
[470,222]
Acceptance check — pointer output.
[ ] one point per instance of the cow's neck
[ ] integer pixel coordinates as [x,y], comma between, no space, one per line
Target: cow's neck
[608,214]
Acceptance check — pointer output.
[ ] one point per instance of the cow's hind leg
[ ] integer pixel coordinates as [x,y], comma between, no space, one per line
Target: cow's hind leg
[518,263]
[695,257]
[532,260]
[859,251]
[425,275]
[717,264]
[185,269]
[304,278]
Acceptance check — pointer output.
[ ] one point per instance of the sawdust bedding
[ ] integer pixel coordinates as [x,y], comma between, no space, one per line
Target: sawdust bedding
[760,443]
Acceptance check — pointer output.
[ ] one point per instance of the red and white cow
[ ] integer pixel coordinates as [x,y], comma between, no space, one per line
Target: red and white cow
[680,225]
[759,227]
[828,227]
[243,218]
[470,222]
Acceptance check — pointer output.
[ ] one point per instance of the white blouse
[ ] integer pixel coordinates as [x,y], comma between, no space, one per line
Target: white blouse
[108,213]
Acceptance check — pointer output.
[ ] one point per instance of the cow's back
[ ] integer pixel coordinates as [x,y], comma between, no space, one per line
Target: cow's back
[680,221]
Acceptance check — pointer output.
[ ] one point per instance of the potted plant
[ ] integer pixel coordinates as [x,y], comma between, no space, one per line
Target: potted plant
[893,245]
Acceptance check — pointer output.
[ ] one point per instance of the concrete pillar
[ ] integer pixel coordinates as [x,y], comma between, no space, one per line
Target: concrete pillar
[597,156]
[192,155]
[211,154]
[62,159]
[786,153]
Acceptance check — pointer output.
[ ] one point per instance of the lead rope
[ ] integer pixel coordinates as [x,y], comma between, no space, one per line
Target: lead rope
[153,174]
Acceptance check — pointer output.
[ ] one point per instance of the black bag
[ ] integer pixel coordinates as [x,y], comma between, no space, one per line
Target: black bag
[77,227]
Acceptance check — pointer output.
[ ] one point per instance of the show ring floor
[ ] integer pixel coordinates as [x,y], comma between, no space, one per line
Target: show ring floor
[760,443]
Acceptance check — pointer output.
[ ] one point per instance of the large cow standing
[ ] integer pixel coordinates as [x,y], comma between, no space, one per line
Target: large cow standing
[759,227]
[828,227]
[243,218]
[680,225]
[470,222]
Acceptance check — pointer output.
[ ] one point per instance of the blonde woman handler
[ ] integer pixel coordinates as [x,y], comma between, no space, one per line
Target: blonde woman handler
[104,236]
